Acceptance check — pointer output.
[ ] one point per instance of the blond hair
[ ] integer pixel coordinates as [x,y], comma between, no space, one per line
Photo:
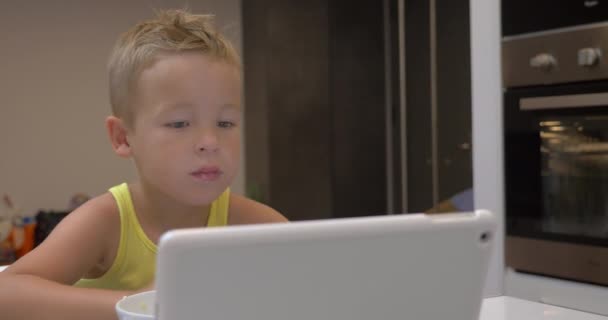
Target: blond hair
[172,31]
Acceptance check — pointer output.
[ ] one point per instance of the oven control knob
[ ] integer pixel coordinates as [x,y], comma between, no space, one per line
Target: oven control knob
[588,57]
[544,61]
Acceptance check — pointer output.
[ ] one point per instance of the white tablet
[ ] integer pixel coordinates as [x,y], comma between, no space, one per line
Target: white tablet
[414,266]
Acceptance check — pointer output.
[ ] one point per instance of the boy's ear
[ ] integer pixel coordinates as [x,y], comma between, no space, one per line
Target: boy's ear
[117,131]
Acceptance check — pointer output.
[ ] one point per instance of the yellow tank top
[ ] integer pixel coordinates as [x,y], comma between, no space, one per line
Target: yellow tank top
[135,262]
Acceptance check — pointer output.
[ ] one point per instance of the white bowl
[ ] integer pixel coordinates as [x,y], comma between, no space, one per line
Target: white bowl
[137,306]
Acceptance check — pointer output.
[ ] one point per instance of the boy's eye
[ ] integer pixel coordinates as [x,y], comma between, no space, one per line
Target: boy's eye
[225,124]
[178,124]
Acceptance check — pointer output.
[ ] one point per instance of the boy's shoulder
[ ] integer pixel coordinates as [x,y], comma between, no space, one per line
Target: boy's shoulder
[101,207]
[243,210]
[101,218]
[98,215]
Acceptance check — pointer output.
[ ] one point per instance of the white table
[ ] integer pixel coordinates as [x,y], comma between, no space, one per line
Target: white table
[509,308]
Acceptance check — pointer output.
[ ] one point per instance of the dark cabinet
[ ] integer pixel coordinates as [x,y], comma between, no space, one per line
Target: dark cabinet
[325,110]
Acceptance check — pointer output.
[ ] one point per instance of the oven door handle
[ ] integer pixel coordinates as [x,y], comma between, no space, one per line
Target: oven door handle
[564,101]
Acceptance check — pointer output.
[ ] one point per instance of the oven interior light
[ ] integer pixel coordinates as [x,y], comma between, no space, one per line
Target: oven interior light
[550,123]
[557,128]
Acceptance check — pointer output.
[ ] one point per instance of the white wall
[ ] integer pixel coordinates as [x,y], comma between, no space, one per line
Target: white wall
[487,126]
[54,96]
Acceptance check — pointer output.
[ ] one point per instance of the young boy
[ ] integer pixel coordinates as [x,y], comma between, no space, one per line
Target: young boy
[175,90]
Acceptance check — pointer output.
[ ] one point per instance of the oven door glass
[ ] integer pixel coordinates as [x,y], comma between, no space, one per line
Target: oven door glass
[556,163]
[574,175]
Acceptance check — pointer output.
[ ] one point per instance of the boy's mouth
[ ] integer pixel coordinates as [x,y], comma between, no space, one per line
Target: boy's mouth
[208,173]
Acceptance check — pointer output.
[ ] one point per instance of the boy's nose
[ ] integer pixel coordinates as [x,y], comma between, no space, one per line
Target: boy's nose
[207,141]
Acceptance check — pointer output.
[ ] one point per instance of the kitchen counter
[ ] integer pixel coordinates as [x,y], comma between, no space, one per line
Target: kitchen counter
[509,308]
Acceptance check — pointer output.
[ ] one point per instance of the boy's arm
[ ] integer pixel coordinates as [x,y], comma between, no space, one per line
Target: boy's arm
[39,285]
[246,211]
[32,297]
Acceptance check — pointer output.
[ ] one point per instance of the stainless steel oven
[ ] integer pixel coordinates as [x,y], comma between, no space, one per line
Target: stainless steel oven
[556,149]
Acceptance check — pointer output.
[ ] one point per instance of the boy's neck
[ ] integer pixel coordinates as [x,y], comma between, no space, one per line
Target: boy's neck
[158,213]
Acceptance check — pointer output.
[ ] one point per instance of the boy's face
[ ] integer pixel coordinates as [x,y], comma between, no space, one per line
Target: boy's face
[185,137]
